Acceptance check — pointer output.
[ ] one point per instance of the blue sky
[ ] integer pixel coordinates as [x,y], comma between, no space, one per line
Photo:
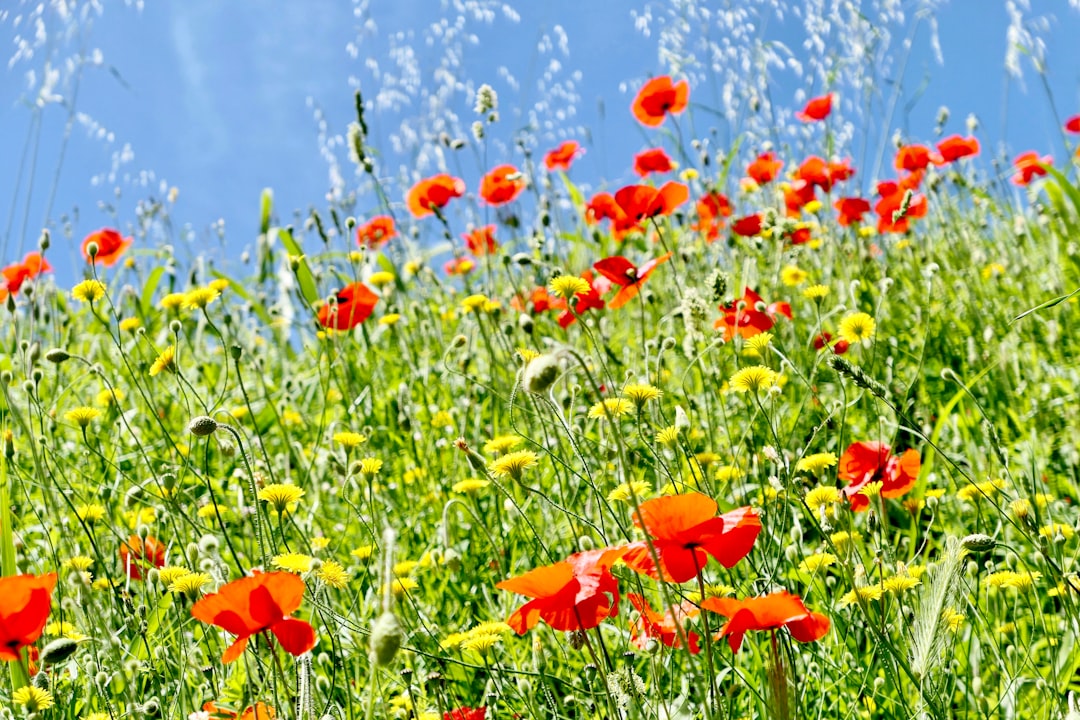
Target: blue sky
[218,99]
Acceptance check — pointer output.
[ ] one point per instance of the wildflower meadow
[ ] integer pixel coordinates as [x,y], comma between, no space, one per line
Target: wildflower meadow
[766,428]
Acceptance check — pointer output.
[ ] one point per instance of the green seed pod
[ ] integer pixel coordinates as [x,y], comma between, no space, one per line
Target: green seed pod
[57,356]
[57,651]
[978,543]
[202,426]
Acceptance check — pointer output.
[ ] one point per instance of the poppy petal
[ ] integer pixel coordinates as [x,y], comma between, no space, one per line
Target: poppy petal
[234,651]
[296,636]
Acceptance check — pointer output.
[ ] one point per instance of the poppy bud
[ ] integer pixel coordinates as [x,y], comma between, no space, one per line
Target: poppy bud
[540,374]
[386,638]
[175,327]
[525,323]
[576,639]
[34,353]
[44,241]
[452,559]
[92,249]
[978,543]
[57,651]
[57,356]
[202,426]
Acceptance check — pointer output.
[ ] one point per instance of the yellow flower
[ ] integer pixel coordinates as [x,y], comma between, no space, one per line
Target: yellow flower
[405,567]
[978,491]
[333,574]
[349,439]
[210,510]
[130,324]
[856,327]
[757,345]
[639,393]
[390,319]
[469,485]
[872,489]
[993,270]
[370,466]
[527,354]
[613,407]
[668,436]
[107,398]
[199,298]
[815,463]
[82,416]
[900,583]
[727,473]
[753,379]
[1002,578]
[292,562]
[190,584]
[219,284]
[513,464]
[952,619]
[480,642]
[167,575]
[816,292]
[79,563]
[363,552]
[442,419]
[165,361]
[381,278]
[400,586]
[707,458]
[813,563]
[1055,529]
[62,628]
[823,495]
[863,593]
[34,699]
[88,291]
[320,542]
[453,640]
[567,286]
[792,276]
[173,300]
[474,302]
[626,491]
[501,444]
[843,538]
[282,497]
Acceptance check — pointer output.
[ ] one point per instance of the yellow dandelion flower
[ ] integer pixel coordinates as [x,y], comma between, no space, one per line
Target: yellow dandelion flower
[142,516]
[172,301]
[1006,628]
[861,594]
[219,284]
[567,286]
[349,439]
[88,291]
[707,458]
[165,361]
[453,640]
[390,319]
[817,561]
[283,498]
[727,473]
[753,379]
[513,464]
[381,278]
[824,495]
[442,419]
[872,489]
[611,407]
[757,345]
[292,562]
[914,505]
[33,699]
[190,584]
[1002,578]
[90,513]
[108,398]
[413,474]
[793,276]
[993,270]
[977,491]
[82,416]
[199,298]
[711,590]
[816,463]
[405,567]
[469,485]
[370,466]
[363,552]
[1043,499]
[952,619]
[491,627]
[842,539]
[239,412]
[668,436]
[900,583]
[291,417]
[474,302]
[501,444]
[480,643]
[62,628]
[210,510]
[130,324]
[1020,508]
[1023,580]
[626,491]
[816,292]
[79,563]
[168,574]
[491,306]
[319,542]
[400,586]
[527,354]
[857,327]
[1053,530]
[639,393]
[333,574]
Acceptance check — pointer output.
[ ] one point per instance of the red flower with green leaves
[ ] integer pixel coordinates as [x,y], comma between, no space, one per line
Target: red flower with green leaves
[771,612]
[627,276]
[866,462]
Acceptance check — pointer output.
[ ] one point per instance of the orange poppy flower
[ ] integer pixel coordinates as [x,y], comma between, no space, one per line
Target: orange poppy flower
[378,231]
[640,202]
[771,612]
[747,226]
[955,147]
[816,109]
[539,300]
[622,272]
[653,160]
[354,305]
[27,600]
[851,210]
[749,315]
[865,462]
[137,554]
[1029,166]
[891,202]
[433,192]
[916,157]
[502,185]
[466,713]
[711,209]
[797,195]
[765,168]
[561,157]
[111,245]
[685,531]
[258,711]
[575,594]
[33,264]
[1073,124]
[659,97]
[663,627]
[481,241]
[254,604]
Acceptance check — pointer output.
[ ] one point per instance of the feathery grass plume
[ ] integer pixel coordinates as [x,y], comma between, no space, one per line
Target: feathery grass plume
[928,632]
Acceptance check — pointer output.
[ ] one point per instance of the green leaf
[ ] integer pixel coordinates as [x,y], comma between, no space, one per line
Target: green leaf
[266,207]
[146,300]
[1048,304]
[303,271]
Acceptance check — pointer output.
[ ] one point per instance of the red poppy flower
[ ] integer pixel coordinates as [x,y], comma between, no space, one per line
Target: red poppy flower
[622,272]
[840,170]
[824,340]
[955,147]
[252,605]
[137,555]
[433,192]
[916,157]
[32,265]
[1073,124]
[561,157]
[354,305]
[799,236]
[817,109]
[663,627]
[851,210]
[891,203]
[749,315]
[111,245]
[575,594]
[592,299]
[865,462]
[502,185]
[259,711]
[711,209]
[540,301]
[815,171]
[481,241]
[796,196]
[748,226]
[659,97]
[378,231]
[653,160]
[465,713]
[639,202]
[765,168]
[685,531]
[27,600]
[1028,166]
[770,612]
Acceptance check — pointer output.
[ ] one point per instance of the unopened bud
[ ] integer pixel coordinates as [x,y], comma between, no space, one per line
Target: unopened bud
[540,374]
[202,426]
[386,638]
[56,355]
